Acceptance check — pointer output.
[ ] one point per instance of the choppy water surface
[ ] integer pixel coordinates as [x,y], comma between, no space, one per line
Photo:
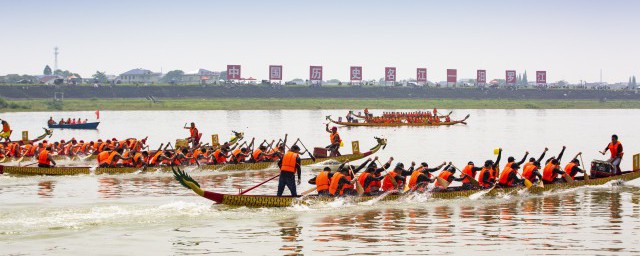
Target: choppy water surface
[151,214]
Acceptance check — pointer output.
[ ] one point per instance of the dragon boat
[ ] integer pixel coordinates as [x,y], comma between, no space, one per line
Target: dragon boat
[361,116]
[47,133]
[27,170]
[396,124]
[450,193]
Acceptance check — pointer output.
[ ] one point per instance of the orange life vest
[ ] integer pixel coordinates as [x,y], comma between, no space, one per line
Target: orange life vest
[528,172]
[137,161]
[413,180]
[484,172]
[548,174]
[332,137]
[103,157]
[333,186]
[126,162]
[110,160]
[468,170]
[257,155]
[387,184]
[322,181]
[613,148]
[362,178]
[43,157]
[289,162]
[237,154]
[527,164]
[445,176]
[154,158]
[568,168]
[504,176]
[220,158]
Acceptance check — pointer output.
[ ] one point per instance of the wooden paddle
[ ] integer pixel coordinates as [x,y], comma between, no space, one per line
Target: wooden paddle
[262,183]
[473,181]
[443,183]
[359,188]
[586,175]
[527,183]
[309,153]
[567,177]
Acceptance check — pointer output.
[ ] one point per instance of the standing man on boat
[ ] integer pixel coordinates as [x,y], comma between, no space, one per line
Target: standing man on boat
[289,165]
[335,141]
[615,147]
[6,130]
[194,135]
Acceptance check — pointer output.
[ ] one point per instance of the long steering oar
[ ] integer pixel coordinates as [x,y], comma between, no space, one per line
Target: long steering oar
[262,183]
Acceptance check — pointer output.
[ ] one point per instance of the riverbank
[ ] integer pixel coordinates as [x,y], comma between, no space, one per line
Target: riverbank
[297,103]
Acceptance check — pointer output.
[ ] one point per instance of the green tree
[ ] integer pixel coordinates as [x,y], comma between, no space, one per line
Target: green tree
[223,75]
[633,82]
[525,81]
[47,71]
[100,77]
[173,76]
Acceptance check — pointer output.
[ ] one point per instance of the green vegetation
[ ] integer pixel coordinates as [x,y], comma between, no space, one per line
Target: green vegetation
[302,103]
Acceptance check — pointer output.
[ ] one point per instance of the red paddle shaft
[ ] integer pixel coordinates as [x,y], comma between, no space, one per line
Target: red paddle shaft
[251,188]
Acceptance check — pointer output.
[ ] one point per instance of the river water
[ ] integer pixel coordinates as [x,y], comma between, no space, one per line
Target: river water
[150,214]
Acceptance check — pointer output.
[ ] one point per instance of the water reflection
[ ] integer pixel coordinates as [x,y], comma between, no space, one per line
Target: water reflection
[45,189]
[290,231]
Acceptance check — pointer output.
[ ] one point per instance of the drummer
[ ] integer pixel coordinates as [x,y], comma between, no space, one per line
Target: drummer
[615,147]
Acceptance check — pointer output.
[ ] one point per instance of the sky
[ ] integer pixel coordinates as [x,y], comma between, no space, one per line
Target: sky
[571,40]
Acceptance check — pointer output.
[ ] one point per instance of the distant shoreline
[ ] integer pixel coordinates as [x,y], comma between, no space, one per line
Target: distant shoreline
[46,105]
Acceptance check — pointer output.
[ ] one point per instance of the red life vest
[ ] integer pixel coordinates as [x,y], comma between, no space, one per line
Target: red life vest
[43,157]
[445,176]
[333,186]
[548,174]
[504,176]
[613,148]
[568,168]
[528,172]
[468,170]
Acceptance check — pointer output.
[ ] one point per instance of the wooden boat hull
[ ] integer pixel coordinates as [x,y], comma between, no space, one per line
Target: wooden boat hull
[274,201]
[17,170]
[397,124]
[85,126]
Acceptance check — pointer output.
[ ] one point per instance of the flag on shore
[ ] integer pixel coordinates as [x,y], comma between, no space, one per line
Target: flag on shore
[97,114]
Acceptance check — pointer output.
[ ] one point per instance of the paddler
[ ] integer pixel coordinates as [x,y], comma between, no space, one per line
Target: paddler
[370,180]
[44,158]
[552,169]
[447,175]
[532,172]
[140,159]
[51,120]
[421,176]
[335,139]
[489,172]
[258,155]
[573,167]
[239,155]
[470,170]
[322,181]
[289,165]
[115,156]
[6,130]
[398,175]
[344,185]
[615,147]
[509,176]
[533,160]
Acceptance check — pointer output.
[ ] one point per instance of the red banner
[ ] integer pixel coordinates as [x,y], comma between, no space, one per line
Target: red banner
[355,73]
[421,75]
[315,73]
[390,74]
[481,76]
[275,72]
[541,77]
[510,77]
[233,72]
[452,76]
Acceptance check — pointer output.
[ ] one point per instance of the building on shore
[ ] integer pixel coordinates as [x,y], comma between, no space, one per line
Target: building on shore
[202,76]
[139,76]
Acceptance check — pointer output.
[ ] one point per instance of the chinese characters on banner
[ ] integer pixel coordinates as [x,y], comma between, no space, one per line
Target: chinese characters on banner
[541,77]
[275,72]
[355,73]
[315,73]
[452,75]
[421,75]
[233,72]
[390,74]
[510,77]
[481,77]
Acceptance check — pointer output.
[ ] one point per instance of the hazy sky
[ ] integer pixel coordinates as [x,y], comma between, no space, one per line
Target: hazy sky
[570,39]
